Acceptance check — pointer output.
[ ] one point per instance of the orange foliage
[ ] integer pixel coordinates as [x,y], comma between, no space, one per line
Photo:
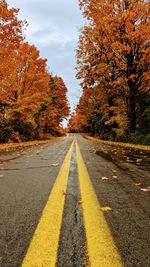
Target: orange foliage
[58,109]
[27,94]
[113,59]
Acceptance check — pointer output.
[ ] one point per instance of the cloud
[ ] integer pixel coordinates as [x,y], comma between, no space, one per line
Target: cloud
[54,29]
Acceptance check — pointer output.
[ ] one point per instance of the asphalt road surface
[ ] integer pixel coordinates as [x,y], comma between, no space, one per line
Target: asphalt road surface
[63,205]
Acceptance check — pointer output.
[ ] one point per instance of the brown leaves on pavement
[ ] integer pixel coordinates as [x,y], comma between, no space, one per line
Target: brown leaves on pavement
[15,146]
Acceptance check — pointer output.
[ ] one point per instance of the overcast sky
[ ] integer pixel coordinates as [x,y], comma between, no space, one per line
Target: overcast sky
[54,29]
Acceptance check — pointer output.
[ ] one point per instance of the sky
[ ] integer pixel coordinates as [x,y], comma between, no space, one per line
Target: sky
[54,28]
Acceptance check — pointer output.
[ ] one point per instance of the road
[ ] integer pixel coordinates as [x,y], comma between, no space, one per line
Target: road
[63,205]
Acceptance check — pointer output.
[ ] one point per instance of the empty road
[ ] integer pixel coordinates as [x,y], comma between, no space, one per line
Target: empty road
[63,205]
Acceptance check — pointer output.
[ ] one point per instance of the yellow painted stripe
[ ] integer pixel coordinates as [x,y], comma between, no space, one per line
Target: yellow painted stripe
[42,251]
[102,251]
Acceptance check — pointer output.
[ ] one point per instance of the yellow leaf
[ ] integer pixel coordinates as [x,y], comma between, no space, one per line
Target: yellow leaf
[106,209]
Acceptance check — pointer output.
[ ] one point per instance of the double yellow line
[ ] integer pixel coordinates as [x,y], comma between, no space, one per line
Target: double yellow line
[43,248]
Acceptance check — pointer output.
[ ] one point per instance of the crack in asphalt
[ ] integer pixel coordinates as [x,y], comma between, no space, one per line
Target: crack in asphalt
[72,246]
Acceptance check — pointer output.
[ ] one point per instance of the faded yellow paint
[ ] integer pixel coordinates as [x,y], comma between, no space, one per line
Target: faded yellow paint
[42,251]
[102,251]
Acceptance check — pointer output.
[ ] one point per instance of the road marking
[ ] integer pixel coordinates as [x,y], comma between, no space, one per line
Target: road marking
[42,251]
[102,251]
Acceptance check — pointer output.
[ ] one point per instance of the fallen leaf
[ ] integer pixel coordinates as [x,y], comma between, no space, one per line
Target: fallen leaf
[129,161]
[54,164]
[145,189]
[64,193]
[105,178]
[115,177]
[139,161]
[106,209]
[93,150]
[138,184]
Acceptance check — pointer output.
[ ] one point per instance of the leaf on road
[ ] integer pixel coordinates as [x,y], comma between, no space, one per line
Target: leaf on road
[138,184]
[54,164]
[93,150]
[106,209]
[139,161]
[105,178]
[64,193]
[145,189]
[129,161]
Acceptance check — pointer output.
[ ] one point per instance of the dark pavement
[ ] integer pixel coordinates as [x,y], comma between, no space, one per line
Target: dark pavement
[26,180]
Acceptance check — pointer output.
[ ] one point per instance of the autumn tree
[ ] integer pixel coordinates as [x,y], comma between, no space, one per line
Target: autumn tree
[10,38]
[113,56]
[32,101]
[51,116]
[87,104]
[32,80]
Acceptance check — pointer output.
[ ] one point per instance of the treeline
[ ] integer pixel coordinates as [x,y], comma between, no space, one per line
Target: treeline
[113,63]
[33,102]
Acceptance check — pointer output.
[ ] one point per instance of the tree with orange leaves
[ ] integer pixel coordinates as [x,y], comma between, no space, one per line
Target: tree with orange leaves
[114,55]
[32,80]
[51,117]
[30,104]
[10,39]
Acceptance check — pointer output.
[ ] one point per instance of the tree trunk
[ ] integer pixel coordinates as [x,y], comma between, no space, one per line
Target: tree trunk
[132,106]
[132,114]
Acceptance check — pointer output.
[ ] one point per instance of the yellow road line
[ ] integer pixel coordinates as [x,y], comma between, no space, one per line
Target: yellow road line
[102,251]
[42,251]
